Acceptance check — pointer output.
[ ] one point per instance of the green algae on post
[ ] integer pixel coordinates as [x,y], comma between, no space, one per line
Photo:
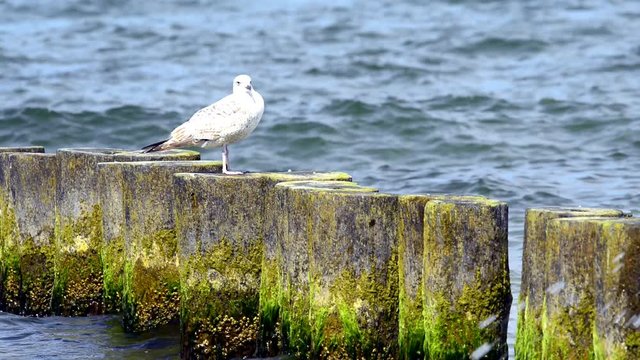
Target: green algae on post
[22,149]
[534,268]
[569,318]
[410,266]
[111,182]
[617,288]
[467,292]
[340,272]
[221,224]
[292,264]
[139,251]
[592,302]
[78,226]
[4,168]
[27,201]
[9,286]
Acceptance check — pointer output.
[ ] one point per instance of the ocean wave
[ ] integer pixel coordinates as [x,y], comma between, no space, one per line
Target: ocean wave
[496,46]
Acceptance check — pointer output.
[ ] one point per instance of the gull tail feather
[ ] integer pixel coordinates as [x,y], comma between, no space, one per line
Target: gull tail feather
[158,146]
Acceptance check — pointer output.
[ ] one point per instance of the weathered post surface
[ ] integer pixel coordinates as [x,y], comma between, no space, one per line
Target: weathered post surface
[340,271]
[139,251]
[410,269]
[411,244]
[617,287]
[27,149]
[592,303]
[27,204]
[78,287]
[467,292]
[536,285]
[220,221]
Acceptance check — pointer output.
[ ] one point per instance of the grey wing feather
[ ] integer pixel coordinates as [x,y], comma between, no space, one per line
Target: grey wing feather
[208,122]
[205,124]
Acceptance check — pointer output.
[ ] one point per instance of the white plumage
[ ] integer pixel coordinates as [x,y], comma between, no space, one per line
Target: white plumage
[224,122]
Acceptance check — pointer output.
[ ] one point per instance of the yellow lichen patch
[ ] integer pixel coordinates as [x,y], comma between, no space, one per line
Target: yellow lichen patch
[151,294]
[80,244]
[78,285]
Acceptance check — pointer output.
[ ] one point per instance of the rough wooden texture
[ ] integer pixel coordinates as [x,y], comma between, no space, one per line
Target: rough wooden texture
[567,323]
[220,221]
[78,226]
[139,250]
[592,303]
[8,284]
[27,203]
[617,288]
[28,149]
[339,272]
[410,268]
[467,292]
[411,335]
[531,304]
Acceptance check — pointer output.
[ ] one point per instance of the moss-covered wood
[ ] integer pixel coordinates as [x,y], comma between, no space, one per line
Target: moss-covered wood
[221,222]
[617,288]
[292,283]
[27,203]
[567,324]
[4,168]
[8,284]
[139,251]
[27,149]
[340,272]
[410,268]
[467,292]
[529,336]
[112,198]
[411,336]
[592,302]
[78,287]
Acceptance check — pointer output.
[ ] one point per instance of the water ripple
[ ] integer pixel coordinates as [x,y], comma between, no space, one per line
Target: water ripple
[535,104]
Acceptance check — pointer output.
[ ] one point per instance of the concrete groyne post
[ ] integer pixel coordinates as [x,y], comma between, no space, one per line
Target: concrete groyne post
[340,271]
[467,292]
[27,231]
[79,226]
[535,280]
[139,252]
[220,220]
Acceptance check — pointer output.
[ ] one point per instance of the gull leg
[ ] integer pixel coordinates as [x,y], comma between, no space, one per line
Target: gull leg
[225,162]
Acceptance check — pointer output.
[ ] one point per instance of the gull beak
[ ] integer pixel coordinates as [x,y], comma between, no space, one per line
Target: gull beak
[248,87]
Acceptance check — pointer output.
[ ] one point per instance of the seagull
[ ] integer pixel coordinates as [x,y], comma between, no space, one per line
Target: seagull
[224,122]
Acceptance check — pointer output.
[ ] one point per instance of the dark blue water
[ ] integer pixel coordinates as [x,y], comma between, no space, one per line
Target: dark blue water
[94,337]
[530,102]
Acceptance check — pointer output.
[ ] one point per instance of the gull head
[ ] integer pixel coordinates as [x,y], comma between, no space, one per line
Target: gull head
[242,84]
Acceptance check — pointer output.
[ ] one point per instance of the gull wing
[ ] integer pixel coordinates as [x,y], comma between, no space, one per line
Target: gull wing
[208,122]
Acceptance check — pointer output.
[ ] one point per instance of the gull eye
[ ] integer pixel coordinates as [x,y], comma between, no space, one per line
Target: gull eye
[237,82]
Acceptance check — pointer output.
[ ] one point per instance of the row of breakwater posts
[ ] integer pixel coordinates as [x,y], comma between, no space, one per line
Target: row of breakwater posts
[310,265]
